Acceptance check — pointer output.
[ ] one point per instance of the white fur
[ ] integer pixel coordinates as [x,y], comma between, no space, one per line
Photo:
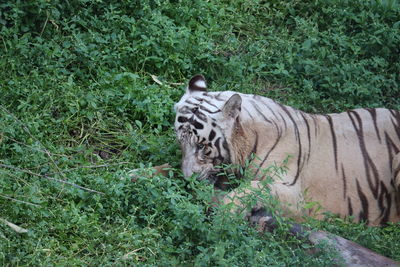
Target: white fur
[330,173]
[201,84]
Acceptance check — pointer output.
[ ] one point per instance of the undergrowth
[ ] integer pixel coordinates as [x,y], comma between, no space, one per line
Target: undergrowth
[79,107]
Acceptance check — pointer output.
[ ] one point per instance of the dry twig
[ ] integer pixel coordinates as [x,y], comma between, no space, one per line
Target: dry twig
[15,227]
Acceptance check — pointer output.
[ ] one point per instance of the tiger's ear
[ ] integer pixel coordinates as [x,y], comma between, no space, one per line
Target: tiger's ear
[197,83]
[232,107]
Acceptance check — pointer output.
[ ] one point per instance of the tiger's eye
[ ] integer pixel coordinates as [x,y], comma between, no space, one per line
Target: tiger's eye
[200,146]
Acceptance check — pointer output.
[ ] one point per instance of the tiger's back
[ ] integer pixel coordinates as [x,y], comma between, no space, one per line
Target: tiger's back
[347,162]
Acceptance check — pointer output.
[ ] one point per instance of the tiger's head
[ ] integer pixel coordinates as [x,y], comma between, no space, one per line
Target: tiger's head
[204,125]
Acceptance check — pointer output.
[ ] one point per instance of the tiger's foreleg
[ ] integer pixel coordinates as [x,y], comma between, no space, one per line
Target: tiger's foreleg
[250,204]
[261,194]
[238,200]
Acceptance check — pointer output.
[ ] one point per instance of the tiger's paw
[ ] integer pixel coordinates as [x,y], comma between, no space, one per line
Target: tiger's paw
[264,220]
[261,219]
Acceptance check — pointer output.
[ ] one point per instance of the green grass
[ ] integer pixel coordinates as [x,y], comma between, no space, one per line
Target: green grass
[77,103]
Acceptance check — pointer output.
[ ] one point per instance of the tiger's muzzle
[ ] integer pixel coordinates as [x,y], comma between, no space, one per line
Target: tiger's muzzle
[209,173]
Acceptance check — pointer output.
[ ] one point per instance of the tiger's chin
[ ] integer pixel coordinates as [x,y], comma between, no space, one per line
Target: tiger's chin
[218,179]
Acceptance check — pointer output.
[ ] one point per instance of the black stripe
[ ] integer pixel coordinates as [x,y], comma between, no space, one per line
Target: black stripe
[218,97]
[254,150]
[297,134]
[270,109]
[201,116]
[260,112]
[363,215]
[372,111]
[380,199]
[228,151]
[391,148]
[211,136]
[216,144]
[279,132]
[334,142]
[182,119]
[344,183]
[308,134]
[201,100]
[369,165]
[196,124]
[397,171]
[316,125]
[284,121]
[218,159]
[385,209]
[391,144]
[350,207]
[392,152]
[396,121]
[248,112]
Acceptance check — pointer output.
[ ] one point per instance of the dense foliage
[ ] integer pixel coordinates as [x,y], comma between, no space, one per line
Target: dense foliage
[78,104]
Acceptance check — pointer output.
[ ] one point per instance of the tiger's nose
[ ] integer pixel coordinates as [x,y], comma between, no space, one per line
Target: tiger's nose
[188,169]
[186,172]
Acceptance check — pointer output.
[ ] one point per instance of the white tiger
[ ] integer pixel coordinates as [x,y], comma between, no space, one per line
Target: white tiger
[347,162]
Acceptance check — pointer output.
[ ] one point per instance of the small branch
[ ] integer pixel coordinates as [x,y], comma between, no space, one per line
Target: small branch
[5,45]
[54,24]
[50,178]
[15,227]
[19,201]
[156,80]
[45,23]
[126,256]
